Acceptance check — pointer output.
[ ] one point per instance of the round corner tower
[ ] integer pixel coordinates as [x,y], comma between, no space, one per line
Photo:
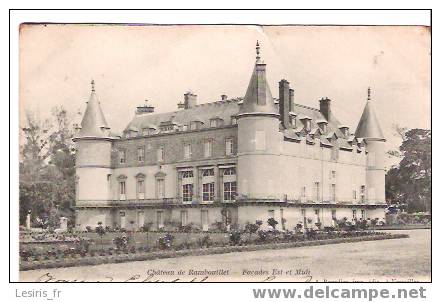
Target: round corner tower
[369,129]
[93,158]
[258,138]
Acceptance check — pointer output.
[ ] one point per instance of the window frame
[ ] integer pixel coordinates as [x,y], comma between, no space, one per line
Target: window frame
[208,192]
[230,190]
[141,158]
[229,148]
[187,192]
[208,148]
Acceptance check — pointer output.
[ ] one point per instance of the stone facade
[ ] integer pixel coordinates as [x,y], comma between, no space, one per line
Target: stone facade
[229,162]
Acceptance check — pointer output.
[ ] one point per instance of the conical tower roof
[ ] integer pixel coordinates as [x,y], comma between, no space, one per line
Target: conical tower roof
[368,126]
[94,123]
[258,98]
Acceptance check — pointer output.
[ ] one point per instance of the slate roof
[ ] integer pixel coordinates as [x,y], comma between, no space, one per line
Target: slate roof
[258,98]
[94,123]
[369,127]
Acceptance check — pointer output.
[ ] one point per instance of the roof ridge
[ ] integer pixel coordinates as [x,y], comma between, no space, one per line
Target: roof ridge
[307,107]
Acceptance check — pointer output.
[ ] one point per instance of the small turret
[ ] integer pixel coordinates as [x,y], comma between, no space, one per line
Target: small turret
[370,131]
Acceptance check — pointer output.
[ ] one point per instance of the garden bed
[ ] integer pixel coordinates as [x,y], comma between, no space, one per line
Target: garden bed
[142,255]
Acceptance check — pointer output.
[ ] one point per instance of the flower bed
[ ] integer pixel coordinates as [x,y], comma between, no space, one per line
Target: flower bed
[169,250]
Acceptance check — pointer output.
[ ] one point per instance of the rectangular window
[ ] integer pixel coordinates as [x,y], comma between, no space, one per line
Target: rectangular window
[260,141]
[213,123]
[354,194]
[363,214]
[160,188]
[187,151]
[208,148]
[362,194]
[184,218]
[208,191]
[160,154]
[354,214]
[122,190]
[317,191]
[160,219]
[228,146]
[122,156]
[303,211]
[141,154]
[229,191]
[333,192]
[187,192]
[141,186]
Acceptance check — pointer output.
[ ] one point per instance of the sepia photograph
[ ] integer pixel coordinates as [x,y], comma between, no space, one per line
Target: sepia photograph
[224,153]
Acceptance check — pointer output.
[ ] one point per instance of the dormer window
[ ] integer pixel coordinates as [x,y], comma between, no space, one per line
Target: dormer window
[167,127]
[233,120]
[308,125]
[195,125]
[306,122]
[344,130]
[216,122]
[292,119]
[323,124]
[150,130]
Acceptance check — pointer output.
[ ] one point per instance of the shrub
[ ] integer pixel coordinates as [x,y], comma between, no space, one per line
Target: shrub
[205,241]
[298,228]
[121,242]
[235,236]
[251,228]
[288,235]
[272,222]
[166,241]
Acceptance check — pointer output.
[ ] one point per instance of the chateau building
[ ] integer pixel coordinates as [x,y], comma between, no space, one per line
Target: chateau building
[229,162]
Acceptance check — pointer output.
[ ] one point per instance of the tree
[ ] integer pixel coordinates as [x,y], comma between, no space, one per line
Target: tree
[410,183]
[47,168]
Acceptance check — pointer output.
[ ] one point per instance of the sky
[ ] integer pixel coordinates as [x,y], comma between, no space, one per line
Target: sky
[160,63]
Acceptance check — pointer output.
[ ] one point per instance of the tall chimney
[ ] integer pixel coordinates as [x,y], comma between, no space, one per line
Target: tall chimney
[284,103]
[224,97]
[190,100]
[291,100]
[325,107]
[146,108]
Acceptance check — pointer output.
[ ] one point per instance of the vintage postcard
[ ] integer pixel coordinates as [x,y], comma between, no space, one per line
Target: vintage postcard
[224,153]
